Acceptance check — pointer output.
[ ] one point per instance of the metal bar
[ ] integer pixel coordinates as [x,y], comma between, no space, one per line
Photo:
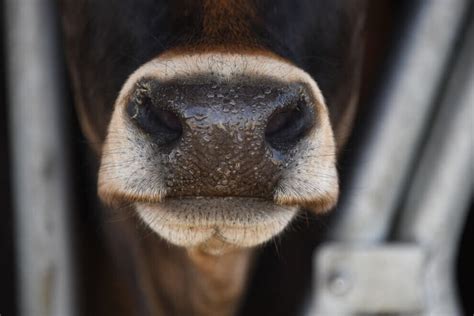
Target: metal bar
[39,158]
[414,276]
[382,164]
[382,167]
[369,280]
[439,196]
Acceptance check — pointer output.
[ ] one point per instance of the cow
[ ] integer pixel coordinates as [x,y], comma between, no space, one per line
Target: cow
[215,124]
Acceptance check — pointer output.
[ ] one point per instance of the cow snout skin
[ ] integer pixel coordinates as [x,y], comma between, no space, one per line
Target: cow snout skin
[222,140]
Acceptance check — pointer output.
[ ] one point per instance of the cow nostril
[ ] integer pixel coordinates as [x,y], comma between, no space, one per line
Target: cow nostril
[287,126]
[163,125]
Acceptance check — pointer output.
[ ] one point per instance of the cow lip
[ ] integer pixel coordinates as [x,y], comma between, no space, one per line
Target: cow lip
[242,222]
[209,198]
[214,197]
[120,198]
[215,205]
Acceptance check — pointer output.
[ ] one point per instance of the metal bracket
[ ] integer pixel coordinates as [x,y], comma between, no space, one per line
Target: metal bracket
[368,279]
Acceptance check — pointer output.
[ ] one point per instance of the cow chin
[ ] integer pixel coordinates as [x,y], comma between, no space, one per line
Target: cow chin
[214,224]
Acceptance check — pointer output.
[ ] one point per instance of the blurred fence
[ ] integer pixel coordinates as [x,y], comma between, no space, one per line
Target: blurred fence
[392,251]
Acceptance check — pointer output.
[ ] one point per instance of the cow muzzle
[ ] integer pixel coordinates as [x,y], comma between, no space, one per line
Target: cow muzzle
[221,140]
[219,151]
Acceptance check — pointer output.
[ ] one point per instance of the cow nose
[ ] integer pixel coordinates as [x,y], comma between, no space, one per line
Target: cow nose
[222,139]
[163,125]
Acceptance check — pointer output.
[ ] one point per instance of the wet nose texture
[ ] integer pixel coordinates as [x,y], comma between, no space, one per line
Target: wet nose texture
[222,139]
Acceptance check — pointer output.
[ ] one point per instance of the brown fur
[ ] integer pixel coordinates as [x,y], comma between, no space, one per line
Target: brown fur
[162,279]
[225,19]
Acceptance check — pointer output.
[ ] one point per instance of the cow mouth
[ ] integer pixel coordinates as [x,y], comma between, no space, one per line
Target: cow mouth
[216,223]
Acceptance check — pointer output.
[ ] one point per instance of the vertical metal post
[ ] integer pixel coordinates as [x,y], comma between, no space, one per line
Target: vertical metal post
[438,201]
[39,159]
[400,118]
[359,272]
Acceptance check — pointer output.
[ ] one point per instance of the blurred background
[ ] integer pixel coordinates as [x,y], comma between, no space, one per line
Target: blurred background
[407,171]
